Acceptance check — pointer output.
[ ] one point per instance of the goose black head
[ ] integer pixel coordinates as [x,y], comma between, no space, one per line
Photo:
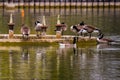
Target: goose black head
[82,23]
[37,22]
[74,28]
[62,23]
[101,36]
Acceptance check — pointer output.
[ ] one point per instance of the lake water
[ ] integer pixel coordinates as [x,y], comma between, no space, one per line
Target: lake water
[100,62]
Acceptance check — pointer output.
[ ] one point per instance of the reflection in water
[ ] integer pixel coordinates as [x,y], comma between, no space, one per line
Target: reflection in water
[40,53]
[75,50]
[96,17]
[108,47]
[25,53]
[101,62]
[53,63]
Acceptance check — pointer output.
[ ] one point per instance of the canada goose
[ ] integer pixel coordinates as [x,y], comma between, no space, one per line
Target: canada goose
[78,29]
[83,29]
[60,26]
[91,29]
[100,39]
[38,28]
[25,30]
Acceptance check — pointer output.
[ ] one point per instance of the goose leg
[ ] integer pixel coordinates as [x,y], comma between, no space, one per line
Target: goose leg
[89,35]
[81,34]
[62,32]
[23,36]
[37,34]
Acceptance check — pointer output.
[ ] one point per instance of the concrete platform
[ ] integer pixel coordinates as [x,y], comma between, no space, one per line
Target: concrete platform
[44,38]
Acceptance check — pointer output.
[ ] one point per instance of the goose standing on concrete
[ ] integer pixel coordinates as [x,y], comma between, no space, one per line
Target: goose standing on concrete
[25,30]
[78,29]
[38,28]
[90,29]
[41,28]
[82,28]
[60,26]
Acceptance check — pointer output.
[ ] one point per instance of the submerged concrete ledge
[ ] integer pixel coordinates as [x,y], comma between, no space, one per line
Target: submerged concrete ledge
[4,38]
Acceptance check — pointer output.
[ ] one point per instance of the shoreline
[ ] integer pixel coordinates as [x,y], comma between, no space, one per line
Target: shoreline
[61,5]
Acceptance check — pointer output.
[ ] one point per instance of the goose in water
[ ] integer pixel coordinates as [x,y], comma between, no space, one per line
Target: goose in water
[100,39]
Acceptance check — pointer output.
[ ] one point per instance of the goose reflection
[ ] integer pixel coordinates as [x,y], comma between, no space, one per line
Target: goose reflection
[25,53]
[107,47]
[40,53]
[75,51]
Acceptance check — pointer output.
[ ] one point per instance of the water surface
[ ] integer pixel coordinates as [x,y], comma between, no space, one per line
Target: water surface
[105,19]
[100,62]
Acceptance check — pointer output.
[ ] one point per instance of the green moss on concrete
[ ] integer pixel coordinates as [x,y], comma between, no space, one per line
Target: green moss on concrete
[28,44]
[82,43]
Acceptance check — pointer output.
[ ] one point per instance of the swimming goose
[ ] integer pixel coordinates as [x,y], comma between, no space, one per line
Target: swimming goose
[100,39]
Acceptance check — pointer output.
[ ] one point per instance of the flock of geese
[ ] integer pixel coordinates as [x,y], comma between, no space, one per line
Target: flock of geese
[80,29]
